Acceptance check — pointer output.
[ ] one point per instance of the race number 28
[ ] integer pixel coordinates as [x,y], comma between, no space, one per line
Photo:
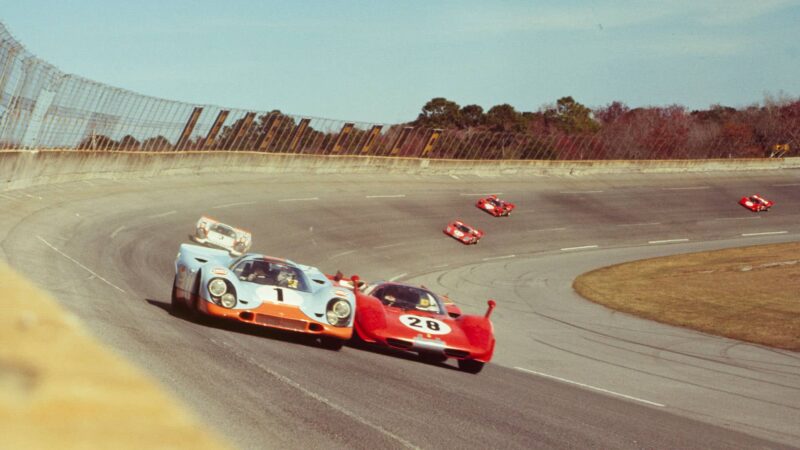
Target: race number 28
[425,324]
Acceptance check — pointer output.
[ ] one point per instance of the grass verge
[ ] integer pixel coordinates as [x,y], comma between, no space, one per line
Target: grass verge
[749,293]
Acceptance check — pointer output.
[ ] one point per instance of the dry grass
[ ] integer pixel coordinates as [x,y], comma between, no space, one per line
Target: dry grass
[59,389]
[750,293]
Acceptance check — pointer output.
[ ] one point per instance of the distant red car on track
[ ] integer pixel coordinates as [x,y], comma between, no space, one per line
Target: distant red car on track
[463,232]
[495,206]
[756,203]
[414,319]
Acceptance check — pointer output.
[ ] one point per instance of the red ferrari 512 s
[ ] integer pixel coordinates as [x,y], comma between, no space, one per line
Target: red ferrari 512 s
[463,232]
[495,206]
[414,319]
[756,203]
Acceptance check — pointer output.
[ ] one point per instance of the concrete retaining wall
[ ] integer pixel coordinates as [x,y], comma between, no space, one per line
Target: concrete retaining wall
[22,168]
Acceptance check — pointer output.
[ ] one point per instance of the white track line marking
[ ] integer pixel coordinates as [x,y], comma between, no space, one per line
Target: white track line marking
[305,199]
[397,277]
[454,177]
[688,188]
[37,197]
[580,192]
[583,247]
[399,244]
[157,216]
[115,232]
[387,196]
[342,254]
[786,185]
[80,265]
[548,229]
[667,241]
[640,224]
[493,258]
[439,266]
[765,233]
[480,195]
[629,397]
[228,205]
[733,218]
[309,393]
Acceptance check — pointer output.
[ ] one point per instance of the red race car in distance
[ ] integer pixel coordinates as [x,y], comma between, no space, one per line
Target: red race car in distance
[756,203]
[495,206]
[463,232]
[414,319]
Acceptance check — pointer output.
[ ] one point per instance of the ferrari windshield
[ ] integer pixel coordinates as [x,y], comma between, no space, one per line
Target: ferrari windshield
[463,228]
[270,272]
[408,297]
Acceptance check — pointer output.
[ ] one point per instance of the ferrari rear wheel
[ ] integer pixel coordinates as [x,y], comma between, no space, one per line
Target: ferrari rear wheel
[470,365]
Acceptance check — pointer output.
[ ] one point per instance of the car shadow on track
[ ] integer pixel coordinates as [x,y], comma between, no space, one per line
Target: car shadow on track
[242,328]
[292,337]
[358,344]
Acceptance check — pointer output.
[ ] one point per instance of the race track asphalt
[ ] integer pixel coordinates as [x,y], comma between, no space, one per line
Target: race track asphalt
[567,373]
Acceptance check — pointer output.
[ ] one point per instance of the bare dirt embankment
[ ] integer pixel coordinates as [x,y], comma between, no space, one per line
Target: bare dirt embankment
[59,389]
[750,293]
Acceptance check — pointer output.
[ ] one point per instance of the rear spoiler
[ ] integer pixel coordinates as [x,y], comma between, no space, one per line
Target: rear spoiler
[353,283]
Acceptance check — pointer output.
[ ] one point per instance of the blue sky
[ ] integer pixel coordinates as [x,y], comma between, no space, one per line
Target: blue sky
[380,61]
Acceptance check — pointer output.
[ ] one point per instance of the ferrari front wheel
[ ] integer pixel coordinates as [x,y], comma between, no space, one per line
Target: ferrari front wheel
[470,365]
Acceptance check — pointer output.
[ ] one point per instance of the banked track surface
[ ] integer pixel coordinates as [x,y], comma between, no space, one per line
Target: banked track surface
[567,373]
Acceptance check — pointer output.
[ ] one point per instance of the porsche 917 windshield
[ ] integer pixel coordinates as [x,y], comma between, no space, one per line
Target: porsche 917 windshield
[270,273]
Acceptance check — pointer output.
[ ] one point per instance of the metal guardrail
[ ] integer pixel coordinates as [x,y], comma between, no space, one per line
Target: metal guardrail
[42,107]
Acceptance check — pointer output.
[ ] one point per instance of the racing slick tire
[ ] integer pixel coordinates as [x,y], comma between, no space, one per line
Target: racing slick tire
[431,358]
[330,343]
[470,365]
[178,306]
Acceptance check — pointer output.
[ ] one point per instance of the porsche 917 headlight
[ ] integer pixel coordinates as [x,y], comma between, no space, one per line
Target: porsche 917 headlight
[217,287]
[228,300]
[338,313]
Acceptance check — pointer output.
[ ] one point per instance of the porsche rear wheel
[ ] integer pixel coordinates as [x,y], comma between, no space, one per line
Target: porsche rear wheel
[470,365]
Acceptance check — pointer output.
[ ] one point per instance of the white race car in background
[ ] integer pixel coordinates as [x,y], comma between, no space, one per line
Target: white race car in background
[213,233]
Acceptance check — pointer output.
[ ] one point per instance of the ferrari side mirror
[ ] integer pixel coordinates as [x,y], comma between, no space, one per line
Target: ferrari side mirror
[491,304]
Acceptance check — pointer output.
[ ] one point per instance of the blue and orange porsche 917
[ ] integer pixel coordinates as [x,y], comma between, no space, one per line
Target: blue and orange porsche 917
[262,290]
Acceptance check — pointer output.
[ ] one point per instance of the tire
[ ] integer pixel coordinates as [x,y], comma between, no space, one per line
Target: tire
[470,365]
[178,306]
[194,300]
[432,358]
[331,343]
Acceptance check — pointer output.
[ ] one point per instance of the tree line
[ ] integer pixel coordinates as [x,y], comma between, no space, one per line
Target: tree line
[565,129]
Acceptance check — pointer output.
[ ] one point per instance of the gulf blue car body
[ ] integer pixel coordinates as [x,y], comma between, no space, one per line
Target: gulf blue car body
[266,291]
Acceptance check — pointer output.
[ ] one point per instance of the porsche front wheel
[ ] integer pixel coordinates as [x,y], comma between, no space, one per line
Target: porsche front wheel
[331,343]
[178,306]
[470,365]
